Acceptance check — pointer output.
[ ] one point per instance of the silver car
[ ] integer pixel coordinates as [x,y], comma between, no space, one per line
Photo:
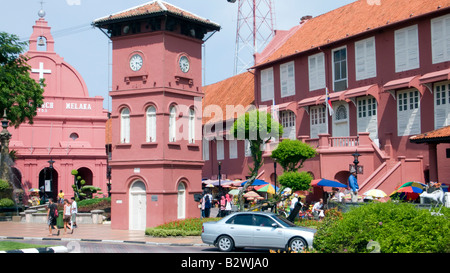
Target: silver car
[256,229]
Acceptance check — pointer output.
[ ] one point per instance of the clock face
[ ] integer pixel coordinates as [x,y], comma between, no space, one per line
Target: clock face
[184,64]
[136,62]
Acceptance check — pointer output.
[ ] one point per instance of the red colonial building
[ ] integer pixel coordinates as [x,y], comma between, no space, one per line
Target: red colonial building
[387,69]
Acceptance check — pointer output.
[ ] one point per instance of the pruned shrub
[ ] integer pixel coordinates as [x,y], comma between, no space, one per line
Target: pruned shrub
[394,227]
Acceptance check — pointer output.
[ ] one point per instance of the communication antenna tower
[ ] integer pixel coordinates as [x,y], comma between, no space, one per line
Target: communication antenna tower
[255,29]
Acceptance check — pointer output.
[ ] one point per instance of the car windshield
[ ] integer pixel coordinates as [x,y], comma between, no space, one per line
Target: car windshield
[284,222]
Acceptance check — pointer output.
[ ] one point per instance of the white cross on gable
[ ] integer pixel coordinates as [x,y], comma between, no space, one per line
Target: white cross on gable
[41,71]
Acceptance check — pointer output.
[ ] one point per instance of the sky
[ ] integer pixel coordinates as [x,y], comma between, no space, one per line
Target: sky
[87,48]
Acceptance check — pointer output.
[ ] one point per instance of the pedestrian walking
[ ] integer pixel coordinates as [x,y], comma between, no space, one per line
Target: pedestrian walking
[229,204]
[353,184]
[207,200]
[67,215]
[74,210]
[52,214]
[222,206]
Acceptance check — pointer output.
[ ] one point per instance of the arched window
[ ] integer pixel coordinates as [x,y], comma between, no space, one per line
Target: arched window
[191,125]
[181,201]
[125,126]
[151,124]
[172,123]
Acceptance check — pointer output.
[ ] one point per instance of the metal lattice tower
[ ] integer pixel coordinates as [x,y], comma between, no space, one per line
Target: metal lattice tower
[255,29]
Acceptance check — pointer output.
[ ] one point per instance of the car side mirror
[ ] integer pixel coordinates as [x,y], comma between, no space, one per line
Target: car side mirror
[275,225]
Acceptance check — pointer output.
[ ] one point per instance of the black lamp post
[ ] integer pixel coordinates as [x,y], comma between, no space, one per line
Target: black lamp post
[356,161]
[50,162]
[275,178]
[219,176]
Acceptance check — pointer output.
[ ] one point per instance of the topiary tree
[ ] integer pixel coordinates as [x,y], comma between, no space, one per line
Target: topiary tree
[257,127]
[82,191]
[5,192]
[291,154]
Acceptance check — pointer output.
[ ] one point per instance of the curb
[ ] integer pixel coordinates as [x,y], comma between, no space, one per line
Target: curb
[63,249]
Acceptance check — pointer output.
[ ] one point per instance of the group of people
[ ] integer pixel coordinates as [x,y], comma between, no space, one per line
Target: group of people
[207,202]
[69,215]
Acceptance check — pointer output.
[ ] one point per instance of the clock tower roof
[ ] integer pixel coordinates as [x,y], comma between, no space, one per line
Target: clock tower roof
[154,9]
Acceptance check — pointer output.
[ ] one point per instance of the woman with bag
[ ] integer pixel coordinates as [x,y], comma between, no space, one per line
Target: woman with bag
[67,214]
[52,214]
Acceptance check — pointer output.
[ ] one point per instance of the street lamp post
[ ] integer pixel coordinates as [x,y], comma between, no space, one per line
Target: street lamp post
[50,162]
[219,176]
[356,155]
[275,178]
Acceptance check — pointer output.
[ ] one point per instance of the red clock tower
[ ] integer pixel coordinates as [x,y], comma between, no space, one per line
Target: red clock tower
[156,160]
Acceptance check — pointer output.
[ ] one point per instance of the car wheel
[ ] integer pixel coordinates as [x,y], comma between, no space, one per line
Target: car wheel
[225,243]
[297,244]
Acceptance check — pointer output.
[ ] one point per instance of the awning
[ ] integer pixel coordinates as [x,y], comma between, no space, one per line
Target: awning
[428,79]
[441,75]
[403,83]
[309,101]
[333,97]
[372,90]
[292,106]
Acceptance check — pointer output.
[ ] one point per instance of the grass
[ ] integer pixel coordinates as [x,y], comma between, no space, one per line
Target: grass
[8,245]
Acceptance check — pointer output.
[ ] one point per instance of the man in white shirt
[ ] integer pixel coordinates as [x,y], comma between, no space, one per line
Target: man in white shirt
[294,201]
[74,210]
[318,209]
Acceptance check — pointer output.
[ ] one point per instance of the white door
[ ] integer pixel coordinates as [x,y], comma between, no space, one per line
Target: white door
[138,206]
[340,119]
[181,201]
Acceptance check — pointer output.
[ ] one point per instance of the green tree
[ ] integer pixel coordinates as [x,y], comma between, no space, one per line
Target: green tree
[257,127]
[20,95]
[291,154]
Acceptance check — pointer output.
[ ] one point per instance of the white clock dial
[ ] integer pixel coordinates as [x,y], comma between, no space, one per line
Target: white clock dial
[184,64]
[136,62]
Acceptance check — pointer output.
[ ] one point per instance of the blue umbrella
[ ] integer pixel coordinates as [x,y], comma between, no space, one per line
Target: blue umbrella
[327,183]
[257,182]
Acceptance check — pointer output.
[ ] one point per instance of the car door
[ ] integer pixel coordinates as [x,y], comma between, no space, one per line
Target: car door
[240,228]
[265,235]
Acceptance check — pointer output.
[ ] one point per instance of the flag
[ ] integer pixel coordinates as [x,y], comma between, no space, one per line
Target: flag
[328,102]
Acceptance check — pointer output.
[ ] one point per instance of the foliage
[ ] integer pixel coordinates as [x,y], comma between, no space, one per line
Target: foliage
[396,227]
[297,181]
[257,127]
[20,95]
[81,190]
[6,202]
[4,185]
[95,201]
[185,227]
[291,154]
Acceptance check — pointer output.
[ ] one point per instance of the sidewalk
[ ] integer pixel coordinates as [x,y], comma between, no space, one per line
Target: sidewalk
[90,232]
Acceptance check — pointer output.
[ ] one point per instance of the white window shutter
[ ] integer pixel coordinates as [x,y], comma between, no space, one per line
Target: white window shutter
[205,148]
[267,84]
[220,149]
[233,148]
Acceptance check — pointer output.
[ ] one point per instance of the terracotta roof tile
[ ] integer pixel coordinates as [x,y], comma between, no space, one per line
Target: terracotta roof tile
[432,136]
[350,20]
[234,91]
[154,7]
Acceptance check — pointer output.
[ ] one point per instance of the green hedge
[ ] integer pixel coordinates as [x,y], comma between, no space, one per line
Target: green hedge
[6,202]
[185,227]
[395,227]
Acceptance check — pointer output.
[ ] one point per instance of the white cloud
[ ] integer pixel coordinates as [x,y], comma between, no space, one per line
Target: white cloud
[73,2]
